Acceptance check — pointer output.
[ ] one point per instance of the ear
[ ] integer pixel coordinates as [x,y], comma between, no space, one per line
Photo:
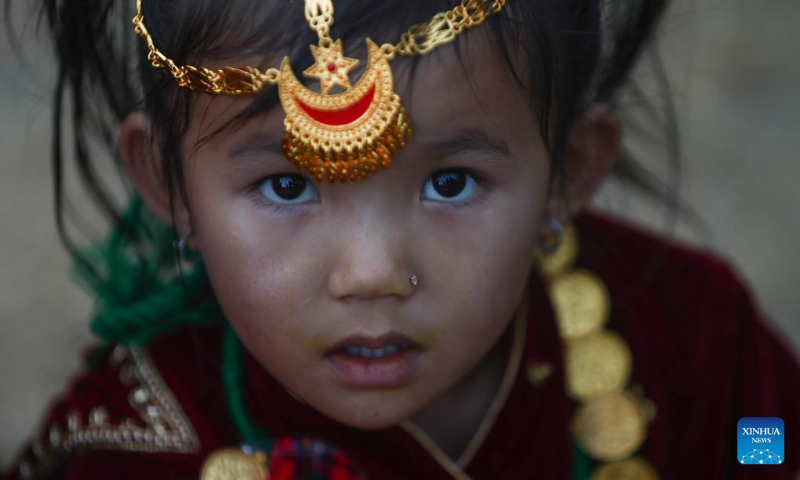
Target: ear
[593,149]
[143,164]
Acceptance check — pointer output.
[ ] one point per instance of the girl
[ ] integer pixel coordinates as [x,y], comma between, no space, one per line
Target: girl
[418,292]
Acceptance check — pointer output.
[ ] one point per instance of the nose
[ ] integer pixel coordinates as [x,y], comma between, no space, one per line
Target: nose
[370,263]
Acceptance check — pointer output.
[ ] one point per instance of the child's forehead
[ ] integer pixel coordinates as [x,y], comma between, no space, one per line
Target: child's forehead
[459,86]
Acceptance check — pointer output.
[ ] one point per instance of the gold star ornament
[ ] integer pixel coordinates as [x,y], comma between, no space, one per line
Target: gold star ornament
[331,67]
[344,136]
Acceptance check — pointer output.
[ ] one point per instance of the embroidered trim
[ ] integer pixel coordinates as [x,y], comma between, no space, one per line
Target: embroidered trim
[161,426]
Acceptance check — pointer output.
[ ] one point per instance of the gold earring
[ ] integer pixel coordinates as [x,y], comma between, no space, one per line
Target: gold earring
[559,250]
[550,242]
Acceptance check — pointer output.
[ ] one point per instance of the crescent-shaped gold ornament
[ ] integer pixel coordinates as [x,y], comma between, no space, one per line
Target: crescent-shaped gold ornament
[344,136]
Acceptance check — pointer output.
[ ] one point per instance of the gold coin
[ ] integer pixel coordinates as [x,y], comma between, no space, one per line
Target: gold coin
[597,363]
[564,256]
[581,303]
[634,468]
[610,427]
[234,464]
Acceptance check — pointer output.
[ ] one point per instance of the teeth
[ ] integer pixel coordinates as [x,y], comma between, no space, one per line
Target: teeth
[390,349]
[375,352]
[351,350]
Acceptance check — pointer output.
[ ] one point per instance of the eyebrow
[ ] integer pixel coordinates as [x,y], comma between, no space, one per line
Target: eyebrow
[468,141]
[253,149]
[471,141]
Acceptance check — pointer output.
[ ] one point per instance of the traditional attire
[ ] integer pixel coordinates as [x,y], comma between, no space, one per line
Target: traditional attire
[702,355]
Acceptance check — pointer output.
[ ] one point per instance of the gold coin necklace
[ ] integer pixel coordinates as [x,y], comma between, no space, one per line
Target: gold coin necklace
[230,463]
[610,423]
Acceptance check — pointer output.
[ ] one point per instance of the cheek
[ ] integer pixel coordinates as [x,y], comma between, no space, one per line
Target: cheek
[477,269]
[260,281]
[483,254]
[258,270]
[481,261]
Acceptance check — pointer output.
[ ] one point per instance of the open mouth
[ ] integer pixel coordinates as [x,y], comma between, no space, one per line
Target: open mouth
[365,352]
[366,346]
[383,361]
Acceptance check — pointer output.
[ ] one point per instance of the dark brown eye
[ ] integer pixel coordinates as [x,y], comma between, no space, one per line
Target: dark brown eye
[449,186]
[288,189]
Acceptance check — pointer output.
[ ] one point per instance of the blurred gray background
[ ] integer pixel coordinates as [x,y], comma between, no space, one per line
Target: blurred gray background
[734,69]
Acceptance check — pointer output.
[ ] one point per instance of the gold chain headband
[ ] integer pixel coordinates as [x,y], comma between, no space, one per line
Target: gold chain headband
[345,136]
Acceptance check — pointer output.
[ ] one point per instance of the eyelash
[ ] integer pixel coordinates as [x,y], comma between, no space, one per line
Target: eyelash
[262,201]
[483,187]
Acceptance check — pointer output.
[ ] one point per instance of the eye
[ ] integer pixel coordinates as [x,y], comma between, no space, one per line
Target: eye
[450,186]
[288,189]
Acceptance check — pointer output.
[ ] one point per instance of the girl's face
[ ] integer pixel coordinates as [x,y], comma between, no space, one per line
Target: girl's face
[298,267]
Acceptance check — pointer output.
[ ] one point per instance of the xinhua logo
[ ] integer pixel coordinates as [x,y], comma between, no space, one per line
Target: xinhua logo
[760,441]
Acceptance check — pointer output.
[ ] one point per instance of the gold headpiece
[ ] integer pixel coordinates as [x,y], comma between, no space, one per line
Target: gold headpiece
[342,136]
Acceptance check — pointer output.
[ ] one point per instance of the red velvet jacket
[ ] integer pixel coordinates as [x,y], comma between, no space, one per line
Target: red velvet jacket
[701,353]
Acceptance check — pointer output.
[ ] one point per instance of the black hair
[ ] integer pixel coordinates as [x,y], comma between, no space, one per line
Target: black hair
[578,51]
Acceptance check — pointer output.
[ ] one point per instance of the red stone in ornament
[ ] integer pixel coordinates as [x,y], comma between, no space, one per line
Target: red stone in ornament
[331,67]
[343,116]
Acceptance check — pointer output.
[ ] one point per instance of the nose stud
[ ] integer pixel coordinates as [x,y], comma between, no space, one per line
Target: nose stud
[413,280]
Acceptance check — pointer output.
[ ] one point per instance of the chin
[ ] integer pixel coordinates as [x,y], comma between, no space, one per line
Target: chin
[366,423]
[368,418]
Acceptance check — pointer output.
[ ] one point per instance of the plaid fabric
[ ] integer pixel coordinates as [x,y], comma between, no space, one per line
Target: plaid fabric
[307,458]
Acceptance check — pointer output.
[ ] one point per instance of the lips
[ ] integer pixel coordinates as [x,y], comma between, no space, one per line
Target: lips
[361,361]
[381,341]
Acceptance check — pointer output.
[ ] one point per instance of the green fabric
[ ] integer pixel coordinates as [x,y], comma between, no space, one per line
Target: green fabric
[581,463]
[141,289]
[232,375]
